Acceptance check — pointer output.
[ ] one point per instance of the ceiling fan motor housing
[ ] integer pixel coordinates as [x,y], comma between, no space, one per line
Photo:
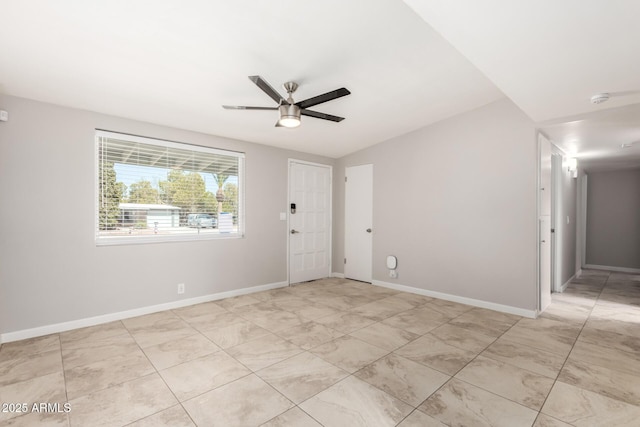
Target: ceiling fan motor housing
[289,115]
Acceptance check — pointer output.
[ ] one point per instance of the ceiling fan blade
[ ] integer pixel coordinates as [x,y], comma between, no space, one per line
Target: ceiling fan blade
[266,88]
[243,107]
[334,94]
[318,115]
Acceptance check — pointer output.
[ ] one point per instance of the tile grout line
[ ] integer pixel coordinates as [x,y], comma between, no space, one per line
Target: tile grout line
[349,374]
[64,379]
[572,347]
[466,364]
[481,353]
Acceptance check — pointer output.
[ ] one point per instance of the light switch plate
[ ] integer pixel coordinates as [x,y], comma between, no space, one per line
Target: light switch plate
[4,116]
[283,216]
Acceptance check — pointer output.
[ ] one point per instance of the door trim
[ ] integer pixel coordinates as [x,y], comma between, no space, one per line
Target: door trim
[557,219]
[583,182]
[291,161]
[540,139]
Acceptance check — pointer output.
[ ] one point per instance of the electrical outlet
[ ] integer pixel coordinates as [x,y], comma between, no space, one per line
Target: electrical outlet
[180,288]
[393,274]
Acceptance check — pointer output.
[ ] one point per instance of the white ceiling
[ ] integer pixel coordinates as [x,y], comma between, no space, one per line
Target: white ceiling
[176,63]
[597,138]
[550,57]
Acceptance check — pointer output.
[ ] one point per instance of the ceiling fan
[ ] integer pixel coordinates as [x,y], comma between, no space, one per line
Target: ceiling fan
[291,111]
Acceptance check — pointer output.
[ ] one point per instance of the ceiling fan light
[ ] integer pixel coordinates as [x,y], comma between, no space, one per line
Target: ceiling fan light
[289,116]
[290,122]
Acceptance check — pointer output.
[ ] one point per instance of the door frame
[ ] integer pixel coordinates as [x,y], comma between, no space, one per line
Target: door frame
[557,218]
[583,185]
[291,161]
[540,139]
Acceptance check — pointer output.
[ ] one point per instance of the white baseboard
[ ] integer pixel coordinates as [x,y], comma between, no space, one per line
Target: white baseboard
[462,300]
[616,269]
[338,275]
[564,286]
[105,318]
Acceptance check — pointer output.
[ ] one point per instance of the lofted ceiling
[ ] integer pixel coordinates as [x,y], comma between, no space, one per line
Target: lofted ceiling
[550,57]
[176,63]
[408,64]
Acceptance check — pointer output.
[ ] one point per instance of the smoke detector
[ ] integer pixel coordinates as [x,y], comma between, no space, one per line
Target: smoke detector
[600,98]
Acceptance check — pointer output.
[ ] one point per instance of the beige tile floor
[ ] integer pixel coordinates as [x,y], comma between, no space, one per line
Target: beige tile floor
[336,352]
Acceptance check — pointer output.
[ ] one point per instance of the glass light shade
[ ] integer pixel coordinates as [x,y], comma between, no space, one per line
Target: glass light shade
[289,122]
[289,116]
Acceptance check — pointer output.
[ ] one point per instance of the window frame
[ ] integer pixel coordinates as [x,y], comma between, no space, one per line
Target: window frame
[101,240]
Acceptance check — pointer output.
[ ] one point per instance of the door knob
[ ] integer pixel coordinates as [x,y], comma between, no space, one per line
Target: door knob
[294,231]
[368,230]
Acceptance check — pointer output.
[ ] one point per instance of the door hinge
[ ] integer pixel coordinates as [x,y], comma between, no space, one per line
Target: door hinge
[345,260]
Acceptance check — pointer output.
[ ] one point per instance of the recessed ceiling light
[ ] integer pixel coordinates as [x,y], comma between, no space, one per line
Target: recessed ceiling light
[599,98]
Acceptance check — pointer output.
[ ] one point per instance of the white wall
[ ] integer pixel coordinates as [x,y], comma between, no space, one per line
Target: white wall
[50,269]
[456,203]
[613,220]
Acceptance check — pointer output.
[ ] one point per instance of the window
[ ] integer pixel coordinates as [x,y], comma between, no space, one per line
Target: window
[151,190]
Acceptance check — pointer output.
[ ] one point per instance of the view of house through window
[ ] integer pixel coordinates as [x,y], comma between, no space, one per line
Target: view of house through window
[154,190]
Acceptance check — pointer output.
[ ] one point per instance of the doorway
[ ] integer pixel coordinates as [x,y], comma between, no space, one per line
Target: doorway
[309,215]
[358,231]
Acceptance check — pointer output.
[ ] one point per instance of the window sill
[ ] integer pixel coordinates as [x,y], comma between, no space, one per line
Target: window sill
[143,240]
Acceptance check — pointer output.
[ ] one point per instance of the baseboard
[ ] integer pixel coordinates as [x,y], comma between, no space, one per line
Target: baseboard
[455,298]
[616,269]
[92,321]
[338,275]
[564,286]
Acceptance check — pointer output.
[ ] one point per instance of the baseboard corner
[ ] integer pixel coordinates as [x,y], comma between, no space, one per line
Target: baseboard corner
[459,299]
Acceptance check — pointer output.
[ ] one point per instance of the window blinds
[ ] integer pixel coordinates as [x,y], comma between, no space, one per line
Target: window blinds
[156,190]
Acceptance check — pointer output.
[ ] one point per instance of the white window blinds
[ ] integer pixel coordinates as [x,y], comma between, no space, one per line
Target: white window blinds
[151,190]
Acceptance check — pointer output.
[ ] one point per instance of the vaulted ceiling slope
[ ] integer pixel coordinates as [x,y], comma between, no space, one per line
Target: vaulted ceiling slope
[176,63]
[550,57]
[407,64]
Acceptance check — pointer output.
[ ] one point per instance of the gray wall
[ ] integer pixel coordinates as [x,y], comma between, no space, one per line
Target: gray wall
[613,219]
[456,203]
[50,269]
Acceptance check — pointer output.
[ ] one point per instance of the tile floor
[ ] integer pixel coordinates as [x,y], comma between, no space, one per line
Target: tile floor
[340,353]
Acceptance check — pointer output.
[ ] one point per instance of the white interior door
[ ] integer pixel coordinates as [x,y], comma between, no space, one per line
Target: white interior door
[358,227]
[310,225]
[544,223]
